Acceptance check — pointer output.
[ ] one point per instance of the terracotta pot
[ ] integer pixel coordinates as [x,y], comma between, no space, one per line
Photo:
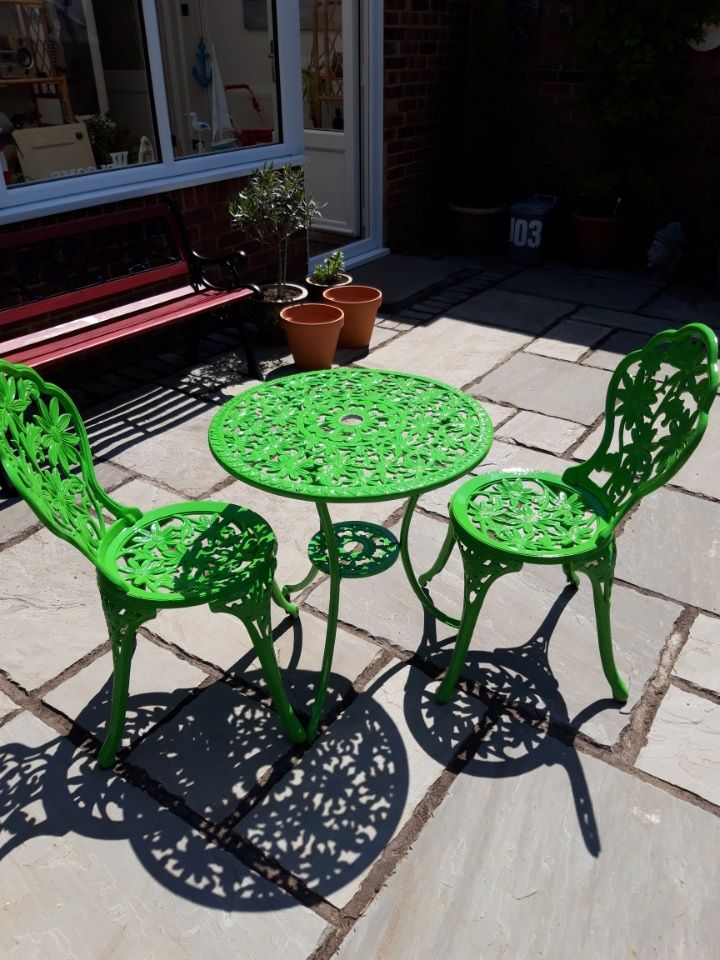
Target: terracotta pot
[597,239]
[312,330]
[360,306]
[316,290]
[478,229]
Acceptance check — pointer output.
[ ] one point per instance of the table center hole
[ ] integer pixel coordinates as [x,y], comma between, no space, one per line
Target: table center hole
[351,418]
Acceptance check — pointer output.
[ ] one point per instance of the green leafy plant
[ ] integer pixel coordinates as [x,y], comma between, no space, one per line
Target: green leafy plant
[329,270]
[270,209]
[636,56]
[106,137]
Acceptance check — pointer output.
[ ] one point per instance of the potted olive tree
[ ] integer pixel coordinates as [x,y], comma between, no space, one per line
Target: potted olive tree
[271,208]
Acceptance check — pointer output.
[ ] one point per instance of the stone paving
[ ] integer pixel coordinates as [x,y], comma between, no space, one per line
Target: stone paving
[532,817]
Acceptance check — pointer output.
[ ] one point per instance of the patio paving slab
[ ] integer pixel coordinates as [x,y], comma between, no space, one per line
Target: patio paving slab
[580,288]
[683,746]
[671,544]
[50,609]
[683,303]
[214,751]
[698,661]
[94,869]
[620,320]
[522,612]
[609,355]
[508,871]
[222,640]
[158,682]
[402,277]
[567,340]
[510,311]
[7,705]
[332,815]
[182,460]
[553,387]
[537,430]
[454,350]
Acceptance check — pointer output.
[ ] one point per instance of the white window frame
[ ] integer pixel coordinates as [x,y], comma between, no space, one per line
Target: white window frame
[72,193]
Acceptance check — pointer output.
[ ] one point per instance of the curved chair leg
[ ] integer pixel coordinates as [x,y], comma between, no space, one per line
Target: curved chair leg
[600,570]
[123,617]
[255,614]
[442,559]
[481,570]
[572,578]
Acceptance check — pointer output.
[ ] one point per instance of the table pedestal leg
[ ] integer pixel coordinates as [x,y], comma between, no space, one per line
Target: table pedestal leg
[331,632]
[436,567]
[282,599]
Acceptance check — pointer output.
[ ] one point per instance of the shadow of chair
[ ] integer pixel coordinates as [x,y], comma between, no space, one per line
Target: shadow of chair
[656,412]
[177,556]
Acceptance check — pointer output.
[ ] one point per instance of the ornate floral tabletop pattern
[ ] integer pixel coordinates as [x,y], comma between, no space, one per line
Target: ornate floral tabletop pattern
[350,435]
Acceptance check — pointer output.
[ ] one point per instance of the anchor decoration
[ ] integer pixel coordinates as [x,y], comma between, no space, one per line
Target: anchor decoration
[202,75]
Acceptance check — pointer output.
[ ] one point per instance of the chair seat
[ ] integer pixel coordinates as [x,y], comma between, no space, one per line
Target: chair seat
[189,553]
[536,516]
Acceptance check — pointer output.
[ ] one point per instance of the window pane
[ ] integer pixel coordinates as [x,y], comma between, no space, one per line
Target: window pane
[74,89]
[220,74]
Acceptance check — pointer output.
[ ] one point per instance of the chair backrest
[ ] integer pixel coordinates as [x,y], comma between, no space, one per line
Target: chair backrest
[655,415]
[45,452]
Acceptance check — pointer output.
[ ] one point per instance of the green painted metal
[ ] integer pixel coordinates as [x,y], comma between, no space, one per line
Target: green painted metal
[346,435]
[364,549]
[350,435]
[656,413]
[177,556]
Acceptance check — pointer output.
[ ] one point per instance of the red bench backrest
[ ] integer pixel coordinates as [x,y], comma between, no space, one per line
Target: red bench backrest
[51,268]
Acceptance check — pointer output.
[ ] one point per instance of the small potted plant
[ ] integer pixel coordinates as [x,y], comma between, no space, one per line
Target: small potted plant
[328,273]
[272,207]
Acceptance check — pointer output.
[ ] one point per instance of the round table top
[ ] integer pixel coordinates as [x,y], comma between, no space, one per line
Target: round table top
[350,434]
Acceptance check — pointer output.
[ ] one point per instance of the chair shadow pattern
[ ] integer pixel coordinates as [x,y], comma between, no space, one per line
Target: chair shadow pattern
[525,714]
[656,412]
[183,555]
[326,821]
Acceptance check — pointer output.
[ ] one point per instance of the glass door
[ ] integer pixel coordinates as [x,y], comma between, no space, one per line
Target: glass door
[330,50]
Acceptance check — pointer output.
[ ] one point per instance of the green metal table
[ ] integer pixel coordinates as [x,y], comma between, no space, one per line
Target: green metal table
[351,435]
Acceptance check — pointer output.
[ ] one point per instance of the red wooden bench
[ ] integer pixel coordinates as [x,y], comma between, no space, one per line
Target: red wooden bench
[70,289]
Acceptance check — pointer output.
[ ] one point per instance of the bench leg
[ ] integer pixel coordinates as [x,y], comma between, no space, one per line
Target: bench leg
[253,366]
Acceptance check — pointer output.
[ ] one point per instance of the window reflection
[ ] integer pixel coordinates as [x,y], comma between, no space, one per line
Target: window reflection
[220,74]
[75,94]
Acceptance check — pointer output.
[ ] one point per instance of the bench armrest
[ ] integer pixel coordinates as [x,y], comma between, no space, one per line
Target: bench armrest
[229,265]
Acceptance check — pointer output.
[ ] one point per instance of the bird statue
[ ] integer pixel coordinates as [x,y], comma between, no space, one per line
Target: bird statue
[200,127]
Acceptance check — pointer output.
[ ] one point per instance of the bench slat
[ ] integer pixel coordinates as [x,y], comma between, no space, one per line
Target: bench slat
[88,341]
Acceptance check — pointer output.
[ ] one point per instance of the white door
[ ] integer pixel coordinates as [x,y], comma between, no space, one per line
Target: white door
[331,97]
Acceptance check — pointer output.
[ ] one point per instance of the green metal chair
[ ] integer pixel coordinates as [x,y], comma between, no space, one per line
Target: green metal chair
[656,412]
[177,556]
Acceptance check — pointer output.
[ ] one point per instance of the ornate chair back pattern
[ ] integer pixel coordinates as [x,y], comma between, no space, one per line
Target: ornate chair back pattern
[45,452]
[656,413]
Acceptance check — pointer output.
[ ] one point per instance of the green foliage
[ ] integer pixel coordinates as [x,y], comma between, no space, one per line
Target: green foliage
[328,271]
[272,207]
[636,55]
[106,137]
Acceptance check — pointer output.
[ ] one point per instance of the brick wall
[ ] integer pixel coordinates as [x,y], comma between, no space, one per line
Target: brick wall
[423,41]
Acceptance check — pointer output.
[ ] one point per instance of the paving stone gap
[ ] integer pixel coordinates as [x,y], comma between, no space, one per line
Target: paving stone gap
[484,826]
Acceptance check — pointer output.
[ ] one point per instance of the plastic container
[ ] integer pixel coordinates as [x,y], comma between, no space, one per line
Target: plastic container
[529,224]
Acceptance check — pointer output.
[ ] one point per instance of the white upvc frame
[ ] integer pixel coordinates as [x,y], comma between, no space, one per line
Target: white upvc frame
[372,139]
[61,195]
